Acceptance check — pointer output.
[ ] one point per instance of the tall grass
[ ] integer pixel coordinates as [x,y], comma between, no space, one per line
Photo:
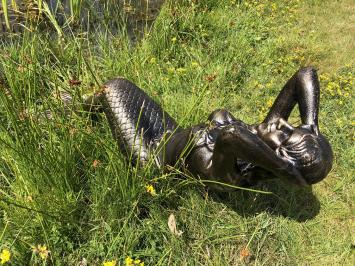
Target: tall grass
[63,183]
[71,15]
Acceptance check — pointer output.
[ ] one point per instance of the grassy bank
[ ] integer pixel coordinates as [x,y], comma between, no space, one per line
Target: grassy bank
[66,194]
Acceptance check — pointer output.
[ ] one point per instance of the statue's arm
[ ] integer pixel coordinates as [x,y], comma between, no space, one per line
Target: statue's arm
[302,88]
[237,141]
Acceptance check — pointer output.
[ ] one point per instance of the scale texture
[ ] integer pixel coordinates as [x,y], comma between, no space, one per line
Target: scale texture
[137,122]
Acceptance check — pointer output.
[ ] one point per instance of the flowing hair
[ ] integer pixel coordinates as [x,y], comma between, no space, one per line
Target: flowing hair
[312,156]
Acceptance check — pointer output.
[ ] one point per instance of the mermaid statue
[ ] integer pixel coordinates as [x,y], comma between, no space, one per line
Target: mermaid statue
[224,149]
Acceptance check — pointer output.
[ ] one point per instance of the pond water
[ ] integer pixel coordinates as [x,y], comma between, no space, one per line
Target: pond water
[139,15]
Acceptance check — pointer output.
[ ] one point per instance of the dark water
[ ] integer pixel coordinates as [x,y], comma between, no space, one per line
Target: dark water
[137,15]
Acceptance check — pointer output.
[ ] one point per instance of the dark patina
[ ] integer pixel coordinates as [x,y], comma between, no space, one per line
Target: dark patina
[225,149]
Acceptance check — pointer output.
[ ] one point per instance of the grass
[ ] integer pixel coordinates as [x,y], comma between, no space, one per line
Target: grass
[65,186]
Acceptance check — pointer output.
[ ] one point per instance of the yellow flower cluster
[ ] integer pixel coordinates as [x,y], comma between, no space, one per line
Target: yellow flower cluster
[296,57]
[338,86]
[42,251]
[127,262]
[5,256]
[269,9]
[263,108]
[179,70]
[269,103]
[109,263]
[130,262]
[182,70]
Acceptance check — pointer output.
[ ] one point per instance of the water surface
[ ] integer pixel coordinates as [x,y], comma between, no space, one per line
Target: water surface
[138,15]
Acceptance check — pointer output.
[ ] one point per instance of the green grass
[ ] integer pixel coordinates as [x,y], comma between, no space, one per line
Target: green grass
[200,55]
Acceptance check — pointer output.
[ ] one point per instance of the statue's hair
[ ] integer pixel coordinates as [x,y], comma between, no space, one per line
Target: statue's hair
[312,155]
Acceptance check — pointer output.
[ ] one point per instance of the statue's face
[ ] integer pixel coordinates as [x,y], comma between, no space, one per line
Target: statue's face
[303,145]
[280,133]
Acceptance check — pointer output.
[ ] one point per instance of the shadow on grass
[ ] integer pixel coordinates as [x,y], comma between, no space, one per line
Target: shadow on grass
[296,203]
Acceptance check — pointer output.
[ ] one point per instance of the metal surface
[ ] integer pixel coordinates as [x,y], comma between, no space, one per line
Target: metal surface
[137,122]
[226,149]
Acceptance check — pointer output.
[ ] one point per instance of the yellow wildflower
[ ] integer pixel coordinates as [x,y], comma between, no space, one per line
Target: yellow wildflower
[42,251]
[151,190]
[138,262]
[269,103]
[5,256]
[109,263]
[129,261]
[339,122]
[153,60]
[174,39]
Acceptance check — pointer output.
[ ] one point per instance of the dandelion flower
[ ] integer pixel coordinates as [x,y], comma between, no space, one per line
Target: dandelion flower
[174,39]
[109,263]
[5,256]
[151,190]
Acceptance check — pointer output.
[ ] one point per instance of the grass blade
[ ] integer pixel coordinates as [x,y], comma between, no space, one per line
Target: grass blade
[6,14]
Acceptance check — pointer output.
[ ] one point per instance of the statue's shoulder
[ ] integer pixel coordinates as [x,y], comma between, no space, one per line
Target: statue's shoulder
[204,135]
[221,118]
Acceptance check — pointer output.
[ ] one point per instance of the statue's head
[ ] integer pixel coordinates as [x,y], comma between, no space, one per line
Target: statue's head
[310,153]
[307,149]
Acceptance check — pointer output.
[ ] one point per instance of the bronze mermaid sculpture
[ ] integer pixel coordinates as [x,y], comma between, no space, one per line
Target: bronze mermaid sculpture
[224,149]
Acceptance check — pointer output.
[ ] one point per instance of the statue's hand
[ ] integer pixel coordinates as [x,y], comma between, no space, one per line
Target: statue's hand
[274,133]
[312,128]
[283,124]
[279,124]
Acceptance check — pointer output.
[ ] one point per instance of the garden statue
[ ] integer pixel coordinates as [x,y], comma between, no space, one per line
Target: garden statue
[224,149]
